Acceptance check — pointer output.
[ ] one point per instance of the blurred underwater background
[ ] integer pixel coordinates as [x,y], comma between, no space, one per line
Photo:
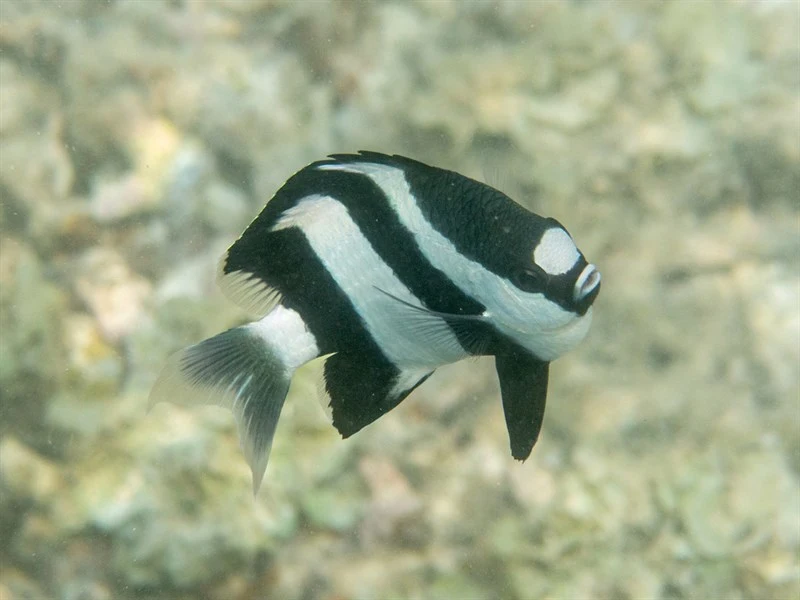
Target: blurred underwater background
[138,139]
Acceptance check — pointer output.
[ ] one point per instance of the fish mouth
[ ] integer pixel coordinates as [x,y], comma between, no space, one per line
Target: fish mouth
[588,282]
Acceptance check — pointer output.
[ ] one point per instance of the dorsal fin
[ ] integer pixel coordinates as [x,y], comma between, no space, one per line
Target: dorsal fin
[247,290]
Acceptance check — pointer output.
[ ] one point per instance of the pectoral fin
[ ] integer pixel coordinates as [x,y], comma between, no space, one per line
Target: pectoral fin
[523,385]
[473,332]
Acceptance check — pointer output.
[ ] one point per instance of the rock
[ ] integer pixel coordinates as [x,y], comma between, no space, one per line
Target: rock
[456,586]
[96,367]
[25,474]
[32,352]
[714,47]
[121,198]
[114,294]
[94,374]
[338,506]
[153,147]
[15,585]
[150,493]
[394,512]
[580,104]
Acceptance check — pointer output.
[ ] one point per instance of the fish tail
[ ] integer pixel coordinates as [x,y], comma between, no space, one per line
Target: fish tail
[244,369]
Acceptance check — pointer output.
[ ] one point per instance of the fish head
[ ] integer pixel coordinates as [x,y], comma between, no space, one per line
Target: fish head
[549,292]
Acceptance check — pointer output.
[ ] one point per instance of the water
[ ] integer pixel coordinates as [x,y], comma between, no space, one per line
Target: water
[138,139]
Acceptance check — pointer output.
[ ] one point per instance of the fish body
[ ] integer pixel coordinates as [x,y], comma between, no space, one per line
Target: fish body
[390,268]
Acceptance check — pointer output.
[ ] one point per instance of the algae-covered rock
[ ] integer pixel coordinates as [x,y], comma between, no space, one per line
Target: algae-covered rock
[32,354]
[36,170]
[712,47]
[584,102]
[456,586]
[112,291]
[94,374]
[338,507]
[26,475]
[179,515]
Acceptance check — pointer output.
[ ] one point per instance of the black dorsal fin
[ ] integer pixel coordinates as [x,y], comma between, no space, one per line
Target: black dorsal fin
[362,388]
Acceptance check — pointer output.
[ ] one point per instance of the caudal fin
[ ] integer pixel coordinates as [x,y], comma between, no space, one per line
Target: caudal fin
[239,370]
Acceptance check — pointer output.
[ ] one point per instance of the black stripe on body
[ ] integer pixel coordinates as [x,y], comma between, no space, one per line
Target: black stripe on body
[378,222]
[482,223]
[285,259]
[358,378]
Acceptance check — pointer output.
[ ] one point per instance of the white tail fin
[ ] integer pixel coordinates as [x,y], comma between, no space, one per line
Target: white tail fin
[246,369]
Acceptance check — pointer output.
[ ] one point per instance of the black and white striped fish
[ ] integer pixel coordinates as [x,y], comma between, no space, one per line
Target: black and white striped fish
[392,268]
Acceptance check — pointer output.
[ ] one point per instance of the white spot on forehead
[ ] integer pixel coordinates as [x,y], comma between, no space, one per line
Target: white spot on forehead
[556,252]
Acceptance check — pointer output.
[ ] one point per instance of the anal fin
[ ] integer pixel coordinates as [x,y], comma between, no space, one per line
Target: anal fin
[362,388]
[523,385]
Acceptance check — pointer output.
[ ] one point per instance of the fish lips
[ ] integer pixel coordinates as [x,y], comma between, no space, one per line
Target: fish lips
[586,288]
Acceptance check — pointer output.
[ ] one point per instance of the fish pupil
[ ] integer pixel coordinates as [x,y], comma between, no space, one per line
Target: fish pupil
[530,279]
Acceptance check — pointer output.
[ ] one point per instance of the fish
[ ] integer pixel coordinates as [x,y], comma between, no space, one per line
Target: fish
[387,268]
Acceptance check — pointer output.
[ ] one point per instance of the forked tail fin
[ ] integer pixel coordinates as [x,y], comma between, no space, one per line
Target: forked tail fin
[246,369]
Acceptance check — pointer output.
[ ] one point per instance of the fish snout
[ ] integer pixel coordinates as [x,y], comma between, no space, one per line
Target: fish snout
[587,286]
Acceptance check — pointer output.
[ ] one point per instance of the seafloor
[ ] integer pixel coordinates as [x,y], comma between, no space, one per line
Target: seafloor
[137,140]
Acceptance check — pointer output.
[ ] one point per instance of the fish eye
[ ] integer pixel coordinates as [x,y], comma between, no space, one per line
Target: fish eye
[530,279]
